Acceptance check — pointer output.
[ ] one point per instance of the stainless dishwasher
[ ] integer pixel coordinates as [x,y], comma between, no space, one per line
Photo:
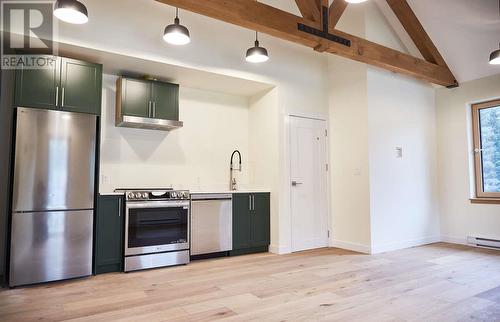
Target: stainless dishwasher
[211,223]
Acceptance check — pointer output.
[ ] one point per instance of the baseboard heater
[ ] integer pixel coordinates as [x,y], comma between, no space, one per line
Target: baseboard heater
[484,242]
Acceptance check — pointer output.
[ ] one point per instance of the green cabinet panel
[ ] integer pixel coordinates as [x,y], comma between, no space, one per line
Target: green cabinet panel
[251,222]
[109,234]
[68,85]
[242,237]
[38,87]
[261,223]
[81,86]
[165,98]
[136,97]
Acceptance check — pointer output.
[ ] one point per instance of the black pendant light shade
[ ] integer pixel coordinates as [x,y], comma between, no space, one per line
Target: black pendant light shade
[257,54]
[176,34]
[495,57]
[71,11]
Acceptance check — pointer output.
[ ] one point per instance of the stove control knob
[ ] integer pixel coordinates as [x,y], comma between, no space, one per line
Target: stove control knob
[145,195]
[186,195]
[173,194]
[131,195]
[138,195]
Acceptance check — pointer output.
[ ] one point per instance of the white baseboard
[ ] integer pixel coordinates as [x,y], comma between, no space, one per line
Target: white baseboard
[275,249]
[350,246]
[455,240]
[377,249]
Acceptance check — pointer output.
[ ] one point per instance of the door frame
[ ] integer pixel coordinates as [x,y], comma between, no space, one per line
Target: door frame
[288,176]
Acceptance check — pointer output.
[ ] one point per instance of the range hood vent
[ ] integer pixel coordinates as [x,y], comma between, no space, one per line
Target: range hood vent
[148,123]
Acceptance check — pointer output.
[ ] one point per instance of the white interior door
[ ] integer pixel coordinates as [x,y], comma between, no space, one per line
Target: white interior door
[308,183]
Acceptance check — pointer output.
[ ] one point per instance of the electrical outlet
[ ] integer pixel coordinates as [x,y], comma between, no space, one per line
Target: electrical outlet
[105,179]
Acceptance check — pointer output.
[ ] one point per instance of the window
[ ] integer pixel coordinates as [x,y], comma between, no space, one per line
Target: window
[486,134]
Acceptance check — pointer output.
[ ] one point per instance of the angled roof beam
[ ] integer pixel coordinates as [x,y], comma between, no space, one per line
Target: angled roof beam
[416,31]
[335,12]
[278,23]
[310,9]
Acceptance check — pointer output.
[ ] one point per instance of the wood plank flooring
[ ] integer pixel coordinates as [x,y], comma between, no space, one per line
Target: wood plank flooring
[439,282]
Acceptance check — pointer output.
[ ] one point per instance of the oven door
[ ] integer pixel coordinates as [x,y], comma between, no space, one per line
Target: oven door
[156,226]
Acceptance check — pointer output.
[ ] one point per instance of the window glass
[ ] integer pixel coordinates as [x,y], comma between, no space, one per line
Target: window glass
[489,126]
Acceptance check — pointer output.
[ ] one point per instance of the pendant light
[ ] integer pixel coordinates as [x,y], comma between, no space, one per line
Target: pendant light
[257,54]
[176,34]
[495,57]
[71,11]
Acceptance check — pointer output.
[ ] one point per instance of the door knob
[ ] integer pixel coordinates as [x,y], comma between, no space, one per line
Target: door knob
[295,183]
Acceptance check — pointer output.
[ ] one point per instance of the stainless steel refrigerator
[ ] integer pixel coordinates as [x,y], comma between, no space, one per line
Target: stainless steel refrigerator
[53,196]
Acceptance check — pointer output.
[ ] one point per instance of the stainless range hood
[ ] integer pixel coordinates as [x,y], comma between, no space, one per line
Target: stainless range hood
[147,123]
[147,104]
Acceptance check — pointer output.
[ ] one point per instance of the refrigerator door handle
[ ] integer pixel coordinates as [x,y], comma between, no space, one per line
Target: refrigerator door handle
[57,95]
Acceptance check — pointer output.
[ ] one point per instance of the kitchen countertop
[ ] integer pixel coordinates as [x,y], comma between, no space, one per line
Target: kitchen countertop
[227,191]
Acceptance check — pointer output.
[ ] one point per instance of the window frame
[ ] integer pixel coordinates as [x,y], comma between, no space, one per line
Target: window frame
[476,137]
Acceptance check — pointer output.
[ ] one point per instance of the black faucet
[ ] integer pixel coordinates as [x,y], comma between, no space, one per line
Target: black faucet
[232,180]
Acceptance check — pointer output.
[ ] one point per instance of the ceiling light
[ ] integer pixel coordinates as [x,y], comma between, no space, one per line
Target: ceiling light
[257,54]
[176,34]
[71,11]
[355,1]
[495,57]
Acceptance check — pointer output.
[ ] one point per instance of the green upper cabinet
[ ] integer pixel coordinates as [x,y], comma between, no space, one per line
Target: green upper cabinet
[68,85]
[165,98]
[251,222]
[38,87]
[134,97]
[145,98]
[81,86]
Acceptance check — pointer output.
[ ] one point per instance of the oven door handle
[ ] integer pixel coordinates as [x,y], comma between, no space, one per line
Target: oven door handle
[157,204]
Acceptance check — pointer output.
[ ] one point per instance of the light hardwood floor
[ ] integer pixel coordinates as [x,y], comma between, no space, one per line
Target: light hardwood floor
[439,282]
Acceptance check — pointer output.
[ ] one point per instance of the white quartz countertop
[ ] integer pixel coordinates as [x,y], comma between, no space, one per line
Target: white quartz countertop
[196,192]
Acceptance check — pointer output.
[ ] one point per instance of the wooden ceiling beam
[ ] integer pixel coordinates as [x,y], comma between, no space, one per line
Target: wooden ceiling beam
[310,9]
[416,31]
[278,23]
[336,11]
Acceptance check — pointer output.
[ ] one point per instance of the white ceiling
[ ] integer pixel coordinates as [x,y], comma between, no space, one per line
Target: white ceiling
[464,31]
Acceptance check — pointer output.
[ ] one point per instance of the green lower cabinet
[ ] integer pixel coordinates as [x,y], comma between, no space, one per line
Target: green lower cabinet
[251,223]
[109,234]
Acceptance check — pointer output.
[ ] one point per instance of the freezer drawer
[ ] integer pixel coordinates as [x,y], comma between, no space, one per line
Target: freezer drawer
[211,224]
[50,246]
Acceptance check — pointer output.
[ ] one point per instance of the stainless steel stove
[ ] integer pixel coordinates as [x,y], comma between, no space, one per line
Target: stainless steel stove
[156,228]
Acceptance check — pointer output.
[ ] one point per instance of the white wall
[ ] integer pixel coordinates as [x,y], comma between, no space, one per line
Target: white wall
[195,156]
[380,203]
[460,218]
[264,144]
[403,191]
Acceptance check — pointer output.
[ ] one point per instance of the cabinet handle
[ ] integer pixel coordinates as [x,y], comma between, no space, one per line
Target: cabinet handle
[249,202]
[154,109]
[119,208]
[57,95]
[62,99]
[149,109]
[253,202]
